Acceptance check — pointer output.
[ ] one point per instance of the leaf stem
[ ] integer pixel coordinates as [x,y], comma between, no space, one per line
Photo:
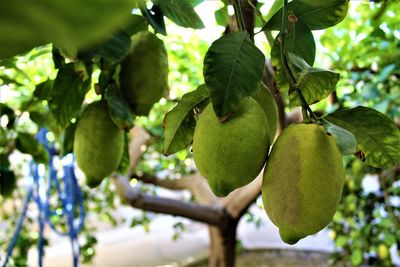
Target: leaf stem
[306,110]
[267,34]
[238,14]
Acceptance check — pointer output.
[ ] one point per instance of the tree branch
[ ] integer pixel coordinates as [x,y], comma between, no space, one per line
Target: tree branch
[193,182]
[137,145]
[381,10]
[212,215]
[246,14]
[171,184]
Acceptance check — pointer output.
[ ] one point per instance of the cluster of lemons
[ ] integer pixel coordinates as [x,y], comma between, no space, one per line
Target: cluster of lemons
[98,142]
[303,176]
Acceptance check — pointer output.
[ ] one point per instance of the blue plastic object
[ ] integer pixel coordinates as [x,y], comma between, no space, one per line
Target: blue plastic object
[70,201]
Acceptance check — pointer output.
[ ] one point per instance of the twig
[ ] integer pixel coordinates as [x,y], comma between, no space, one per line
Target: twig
[238,14]
[292,80]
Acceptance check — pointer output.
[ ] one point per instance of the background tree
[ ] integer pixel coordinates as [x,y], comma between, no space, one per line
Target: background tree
[52,97]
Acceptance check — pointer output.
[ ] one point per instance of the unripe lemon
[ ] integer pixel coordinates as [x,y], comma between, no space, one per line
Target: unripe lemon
[357,167]
[98,143]
[303,181]
[383,252]
[266,100]
[144,73]
[351,184]
[231,154]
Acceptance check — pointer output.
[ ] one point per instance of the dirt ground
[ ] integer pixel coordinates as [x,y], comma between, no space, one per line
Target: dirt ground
[277,258]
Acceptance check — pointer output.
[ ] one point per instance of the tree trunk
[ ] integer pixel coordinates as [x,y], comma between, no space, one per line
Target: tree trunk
[223,243]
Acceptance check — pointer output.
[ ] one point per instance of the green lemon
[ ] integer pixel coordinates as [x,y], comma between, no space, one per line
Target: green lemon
[98,143]
[266,100]
[357,167]
[351,184]
[231,154]
[383,251]
[144,73]
[303,181]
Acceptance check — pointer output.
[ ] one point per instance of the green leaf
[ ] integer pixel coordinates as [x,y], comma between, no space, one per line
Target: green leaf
[4,161]
[179,123]
[124,164]
[115,49]
[221,16]
[5,110]
[68,52]
[386,72]
[68,139]
[43,90]
[299,40]
[155,17]
[136,23]
[233,69]
[58,58]
[3,141]
[27,24]
[276,6]
[27,143]
[356,257]
[195,2]
[40,114]
[377,136]
[9,112]
[119,109]
[7,80]
[314,83]
[8,182]
[341,241]
[317,15]
[67,94]
[181,12]
[345,140]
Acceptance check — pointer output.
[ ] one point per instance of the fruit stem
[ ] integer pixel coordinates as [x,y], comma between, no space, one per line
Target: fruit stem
[307,112]
[238,14]
[306,118]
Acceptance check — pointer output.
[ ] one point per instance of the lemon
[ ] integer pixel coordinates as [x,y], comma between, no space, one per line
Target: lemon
[144,73]
[266,100]
[303,181]
[383,251]
[231,154]
[98,143]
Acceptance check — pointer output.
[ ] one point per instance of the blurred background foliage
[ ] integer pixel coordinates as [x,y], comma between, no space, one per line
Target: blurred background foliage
[364,49]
